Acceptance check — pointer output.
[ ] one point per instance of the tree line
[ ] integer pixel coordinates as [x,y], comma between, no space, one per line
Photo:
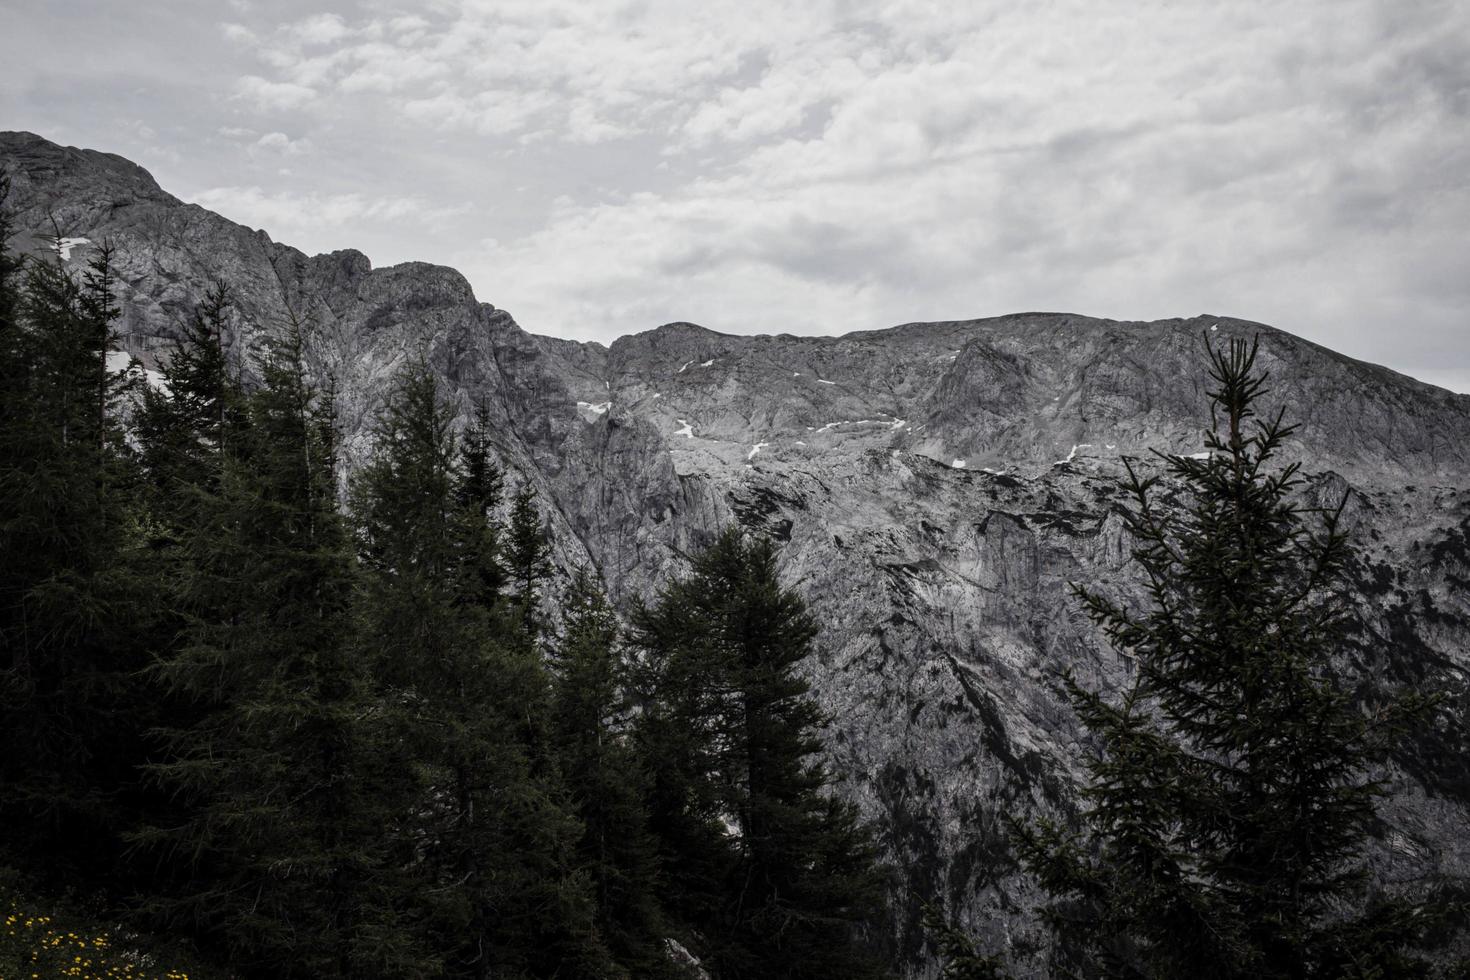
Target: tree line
[328,734]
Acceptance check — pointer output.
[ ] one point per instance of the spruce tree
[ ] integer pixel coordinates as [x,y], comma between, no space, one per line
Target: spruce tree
[527,558]
[777,873]
[12,266]
[496,882]
[1232,789]
[69,702]
[960,960]
[182,426]
[478,488]
[606,783]
[280,856]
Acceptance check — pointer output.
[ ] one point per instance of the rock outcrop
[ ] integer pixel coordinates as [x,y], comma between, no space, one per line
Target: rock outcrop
[937,486]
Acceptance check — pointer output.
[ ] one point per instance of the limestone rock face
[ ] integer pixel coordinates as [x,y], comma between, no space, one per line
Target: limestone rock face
[936,487]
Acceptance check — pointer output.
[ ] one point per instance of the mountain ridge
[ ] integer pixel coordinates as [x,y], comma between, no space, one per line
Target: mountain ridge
[20,144]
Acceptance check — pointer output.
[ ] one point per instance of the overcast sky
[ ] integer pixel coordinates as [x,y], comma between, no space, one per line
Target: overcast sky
[599,168]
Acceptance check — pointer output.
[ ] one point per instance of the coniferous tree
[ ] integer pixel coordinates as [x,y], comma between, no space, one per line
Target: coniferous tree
[780,876]
[183,424]
[478,488]
[499,890]
[527,558]
[606,782]
[68,694]
[12,266]
[960,959]
[280,851]
[181,428]
[1232,790]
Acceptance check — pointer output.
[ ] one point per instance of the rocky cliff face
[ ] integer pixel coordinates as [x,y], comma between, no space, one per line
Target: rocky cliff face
[937,486]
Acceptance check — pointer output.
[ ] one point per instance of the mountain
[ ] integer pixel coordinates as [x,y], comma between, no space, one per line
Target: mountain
[936,485]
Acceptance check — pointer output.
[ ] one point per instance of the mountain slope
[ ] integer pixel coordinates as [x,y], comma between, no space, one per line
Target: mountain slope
[937,486]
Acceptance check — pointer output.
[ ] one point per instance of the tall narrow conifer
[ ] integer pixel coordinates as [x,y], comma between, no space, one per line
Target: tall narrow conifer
[1233,787]
[497,879]
[67,672]
[527,558]
[606,783]
[781,875]
[281,849]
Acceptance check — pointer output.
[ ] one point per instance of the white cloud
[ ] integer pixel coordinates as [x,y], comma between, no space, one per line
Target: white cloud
[238,33]
[1228,158]
[319,29]
[289,216]
[760,165]
[267,95]
[278,142]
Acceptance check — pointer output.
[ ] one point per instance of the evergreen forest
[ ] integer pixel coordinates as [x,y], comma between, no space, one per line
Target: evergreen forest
[313,729]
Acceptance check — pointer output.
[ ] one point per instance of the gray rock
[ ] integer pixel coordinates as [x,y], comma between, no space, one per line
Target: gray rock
[937,486]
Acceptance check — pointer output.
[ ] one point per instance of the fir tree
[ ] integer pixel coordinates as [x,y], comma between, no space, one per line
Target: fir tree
[1232,792]
[183,425]
[780,876]
[606,783]
[280,853]
[478,488]
[182,428]
[527,558]
[961,961]
[496,881]
[68,695]
[12,267]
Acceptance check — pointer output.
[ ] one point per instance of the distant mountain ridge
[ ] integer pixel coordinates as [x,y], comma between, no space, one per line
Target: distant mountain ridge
[936,485]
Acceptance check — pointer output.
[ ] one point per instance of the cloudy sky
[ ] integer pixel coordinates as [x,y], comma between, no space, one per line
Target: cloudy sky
[598,168]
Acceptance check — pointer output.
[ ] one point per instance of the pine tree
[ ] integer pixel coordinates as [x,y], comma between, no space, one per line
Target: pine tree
[499,891]
[280,854]
[1231,793]
[780,875]
[606,782]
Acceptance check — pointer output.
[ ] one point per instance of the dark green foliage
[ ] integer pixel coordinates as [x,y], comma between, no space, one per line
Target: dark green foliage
[12,265]
[183,426]
[957,952]
[775,874]
[279,855]
[606,783]
[495,878]
[322,749]
[1232,790]
[68,691]
[477,493]
[527,558]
